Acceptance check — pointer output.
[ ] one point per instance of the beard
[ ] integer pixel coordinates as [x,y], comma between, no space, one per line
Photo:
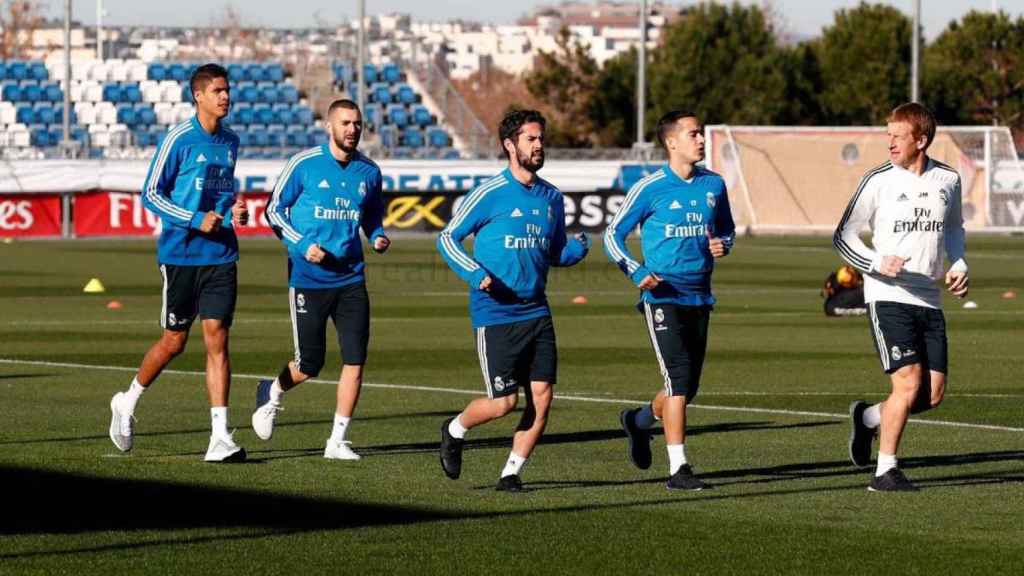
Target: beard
[344,146]
[531,163]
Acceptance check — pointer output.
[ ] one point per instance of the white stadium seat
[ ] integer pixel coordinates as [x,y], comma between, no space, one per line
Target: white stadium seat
[171,91]
[165,113]
[106,113]
[8,113]
[92,91]
[99,136]
[86,113]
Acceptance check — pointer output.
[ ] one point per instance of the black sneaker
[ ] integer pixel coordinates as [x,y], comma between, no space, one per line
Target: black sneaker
[684,479]
[510,483]
[451,451]
[861,436]
[892,481]
[639,439]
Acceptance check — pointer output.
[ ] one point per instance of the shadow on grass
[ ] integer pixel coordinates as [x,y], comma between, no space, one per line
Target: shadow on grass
[17,376]
[78,504]
[827,469]
[505,442]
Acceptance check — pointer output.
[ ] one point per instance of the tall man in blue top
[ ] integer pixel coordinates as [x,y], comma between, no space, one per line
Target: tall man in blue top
[190,185]
[685,224]
[320,202]
[518,220]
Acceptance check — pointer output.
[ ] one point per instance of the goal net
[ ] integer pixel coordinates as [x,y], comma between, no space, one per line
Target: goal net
[799,179]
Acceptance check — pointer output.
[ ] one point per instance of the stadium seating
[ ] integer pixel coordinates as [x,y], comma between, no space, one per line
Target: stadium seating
[124,104]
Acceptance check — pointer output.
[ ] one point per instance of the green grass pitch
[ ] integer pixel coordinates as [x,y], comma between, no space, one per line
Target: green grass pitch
[767,432]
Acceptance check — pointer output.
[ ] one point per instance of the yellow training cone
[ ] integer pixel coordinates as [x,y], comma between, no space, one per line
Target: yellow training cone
[94,287]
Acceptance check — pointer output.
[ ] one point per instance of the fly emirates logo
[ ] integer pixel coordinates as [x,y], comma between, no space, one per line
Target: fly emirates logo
[534,239]
[694,227]
[921,222]
[342,210]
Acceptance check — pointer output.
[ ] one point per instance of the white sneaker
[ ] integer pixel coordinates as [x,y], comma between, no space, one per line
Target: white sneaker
[121,424]
[263,420]
[339,450]
[224,449]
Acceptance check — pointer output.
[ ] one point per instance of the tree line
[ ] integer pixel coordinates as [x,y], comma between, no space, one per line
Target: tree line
[730,64]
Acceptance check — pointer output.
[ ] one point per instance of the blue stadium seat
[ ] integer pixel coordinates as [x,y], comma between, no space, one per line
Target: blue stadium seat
[389,136]
[343,73]
[112,92]
[288,94]
[131,93]
[263,114]
[177,71]
[380,93]
[11,92]
[52,92]
[275,138]
[248,92]
[44,113]
[236,72]
[391,73]
[126,115]
[398,115]
[401,153]
[145,114]
[40,136]
[438,138]
[286,115]
[31,91]
[405,94]
[243,138]
[274,72]
[243,114]
[254,72]
[17,70]
[421,116]
[303,115]
[186,93]
[370,73]
[3,70]
[37,71]
[413,138]
[373,115]
[25,114]
[58,114]
[156,71]
[260,138]
[269,95]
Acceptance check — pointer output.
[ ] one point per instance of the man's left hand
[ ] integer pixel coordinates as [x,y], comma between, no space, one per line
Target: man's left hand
[956,283]
[381,244]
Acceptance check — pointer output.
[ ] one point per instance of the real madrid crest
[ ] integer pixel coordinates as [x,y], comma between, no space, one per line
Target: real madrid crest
[711,200]
[362,189]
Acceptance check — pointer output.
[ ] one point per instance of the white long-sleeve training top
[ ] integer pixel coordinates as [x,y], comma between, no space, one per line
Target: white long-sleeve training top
[910,216]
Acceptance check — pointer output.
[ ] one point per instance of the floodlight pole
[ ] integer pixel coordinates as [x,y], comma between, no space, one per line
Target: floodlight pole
[360,73]
[641,76]
[66,121]
[99,29]
[915,53]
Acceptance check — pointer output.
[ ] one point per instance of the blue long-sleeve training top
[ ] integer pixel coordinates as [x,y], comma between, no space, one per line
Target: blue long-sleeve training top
[676,217]
[318,200]
[192,173]
[519,234]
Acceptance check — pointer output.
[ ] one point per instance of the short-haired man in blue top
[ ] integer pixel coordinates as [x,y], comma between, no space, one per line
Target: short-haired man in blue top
[518,221]
[685,224]
[320,202]
[191,186]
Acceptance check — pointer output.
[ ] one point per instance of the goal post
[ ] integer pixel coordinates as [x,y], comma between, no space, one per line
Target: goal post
[798,180]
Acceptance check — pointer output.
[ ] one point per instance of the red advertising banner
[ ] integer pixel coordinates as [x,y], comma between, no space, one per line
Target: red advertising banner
[23,215]
[121,214]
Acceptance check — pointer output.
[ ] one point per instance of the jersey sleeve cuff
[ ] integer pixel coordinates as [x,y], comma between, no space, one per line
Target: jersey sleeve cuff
[638,276]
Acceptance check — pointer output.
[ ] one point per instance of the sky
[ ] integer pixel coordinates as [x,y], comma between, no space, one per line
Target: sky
[800,17]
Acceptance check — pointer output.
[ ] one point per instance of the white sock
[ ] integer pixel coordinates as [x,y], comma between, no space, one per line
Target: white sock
[872,416]
[132,395]
[514,464]
[276,392]
[886,462]
[219,420]
[456,429]
[676,457]
[340,428]
[645,418]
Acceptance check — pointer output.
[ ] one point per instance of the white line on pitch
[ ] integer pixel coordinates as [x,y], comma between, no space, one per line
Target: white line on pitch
[473,393]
